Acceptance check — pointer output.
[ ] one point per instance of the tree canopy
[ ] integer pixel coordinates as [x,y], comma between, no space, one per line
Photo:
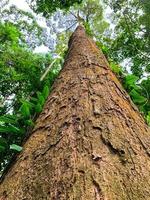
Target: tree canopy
[48,7]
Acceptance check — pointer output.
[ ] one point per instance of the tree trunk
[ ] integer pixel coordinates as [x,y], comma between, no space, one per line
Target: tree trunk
[89,143]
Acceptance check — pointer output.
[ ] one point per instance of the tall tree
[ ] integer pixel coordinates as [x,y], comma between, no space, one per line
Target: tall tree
[90,142]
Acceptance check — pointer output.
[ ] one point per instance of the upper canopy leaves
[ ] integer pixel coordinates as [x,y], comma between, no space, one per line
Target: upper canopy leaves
[47,7]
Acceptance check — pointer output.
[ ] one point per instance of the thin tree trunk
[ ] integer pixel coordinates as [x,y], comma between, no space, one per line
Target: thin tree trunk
[89,143]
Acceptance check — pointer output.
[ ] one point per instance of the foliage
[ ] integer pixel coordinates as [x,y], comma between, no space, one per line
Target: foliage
[138,91]
[25,22]
[22,94]
[131,34]
[148,118]
[90,14]
[48,7]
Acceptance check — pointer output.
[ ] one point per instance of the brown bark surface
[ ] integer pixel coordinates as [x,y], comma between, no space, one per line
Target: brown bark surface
[89,143]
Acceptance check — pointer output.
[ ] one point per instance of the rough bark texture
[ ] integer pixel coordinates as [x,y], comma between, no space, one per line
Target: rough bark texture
[89,143]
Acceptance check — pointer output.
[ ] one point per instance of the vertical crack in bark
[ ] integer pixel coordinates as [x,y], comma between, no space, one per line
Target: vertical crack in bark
[97,190]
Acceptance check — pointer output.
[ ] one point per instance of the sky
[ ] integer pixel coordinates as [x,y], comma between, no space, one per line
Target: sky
[22,4]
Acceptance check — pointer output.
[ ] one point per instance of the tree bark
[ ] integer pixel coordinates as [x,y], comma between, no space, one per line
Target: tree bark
[89,143]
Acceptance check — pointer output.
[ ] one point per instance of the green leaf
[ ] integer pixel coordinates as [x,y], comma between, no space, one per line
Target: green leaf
[8,119]
[29,122]
[10,129]
[35,100]
[30,104]
[105,49]
[25,110]
[148,118]
[130,81]
[16,147]
[38,108]
[115,68]
[45,92]
[3,144]
[41,99]
[137,98]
